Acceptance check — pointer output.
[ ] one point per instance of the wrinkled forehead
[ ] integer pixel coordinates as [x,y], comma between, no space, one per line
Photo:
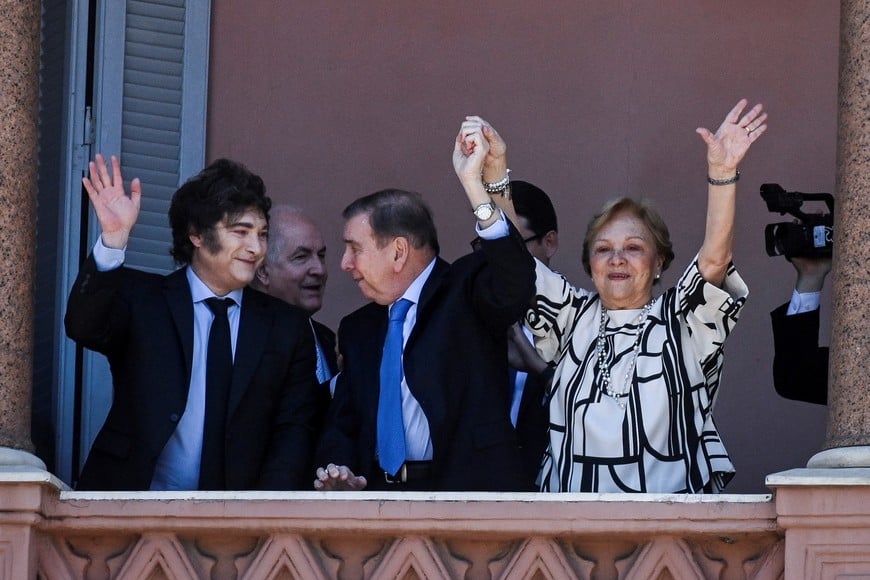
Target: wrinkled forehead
[297,234]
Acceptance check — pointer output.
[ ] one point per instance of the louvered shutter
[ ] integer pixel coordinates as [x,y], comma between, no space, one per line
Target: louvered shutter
[161,111]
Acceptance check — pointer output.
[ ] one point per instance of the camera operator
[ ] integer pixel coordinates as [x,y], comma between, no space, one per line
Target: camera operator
[800,365]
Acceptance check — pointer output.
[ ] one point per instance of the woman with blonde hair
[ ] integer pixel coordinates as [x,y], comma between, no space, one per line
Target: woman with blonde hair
[637,375]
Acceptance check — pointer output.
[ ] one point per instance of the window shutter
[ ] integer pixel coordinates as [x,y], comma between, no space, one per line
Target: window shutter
[162,114]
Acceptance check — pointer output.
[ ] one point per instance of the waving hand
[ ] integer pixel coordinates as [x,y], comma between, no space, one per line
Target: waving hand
[116,211]
[727,146]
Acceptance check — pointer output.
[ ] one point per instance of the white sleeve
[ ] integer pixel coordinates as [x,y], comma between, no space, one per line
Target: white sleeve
[553,311]
[108,258]
[803,302]
[710,311]
[495,230]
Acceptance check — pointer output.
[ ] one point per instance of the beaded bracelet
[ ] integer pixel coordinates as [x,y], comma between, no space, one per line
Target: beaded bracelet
[712,181]
[500,185]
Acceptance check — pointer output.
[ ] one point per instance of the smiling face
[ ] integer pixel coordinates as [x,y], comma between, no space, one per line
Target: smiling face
[624,262]
[295,270]
[227,257]
[373,268]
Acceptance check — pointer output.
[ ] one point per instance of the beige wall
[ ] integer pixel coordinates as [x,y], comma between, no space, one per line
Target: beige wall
[328,102]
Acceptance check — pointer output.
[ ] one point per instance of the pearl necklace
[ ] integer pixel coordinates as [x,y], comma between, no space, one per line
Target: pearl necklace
[600,344]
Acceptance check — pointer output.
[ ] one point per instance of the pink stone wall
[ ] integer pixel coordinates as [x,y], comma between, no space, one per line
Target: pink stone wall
[330,100]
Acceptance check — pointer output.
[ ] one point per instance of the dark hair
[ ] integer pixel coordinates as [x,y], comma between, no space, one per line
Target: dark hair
[643,210]
[394,213]
[224,189]
[532,203]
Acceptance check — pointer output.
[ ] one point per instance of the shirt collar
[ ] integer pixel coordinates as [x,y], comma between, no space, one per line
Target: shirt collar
[416,288]
[199,291]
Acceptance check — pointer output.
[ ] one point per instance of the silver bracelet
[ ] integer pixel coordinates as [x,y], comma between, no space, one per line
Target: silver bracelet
[500,185]
[728,181]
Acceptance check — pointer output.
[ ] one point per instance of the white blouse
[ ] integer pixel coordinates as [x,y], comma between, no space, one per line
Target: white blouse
[661,437]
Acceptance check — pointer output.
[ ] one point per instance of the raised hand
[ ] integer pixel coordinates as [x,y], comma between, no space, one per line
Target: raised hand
[495,162]
[727,146]
[469,152]
[725,150]
[116,211]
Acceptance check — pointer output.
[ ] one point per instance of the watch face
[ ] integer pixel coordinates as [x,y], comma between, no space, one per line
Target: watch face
[484,211]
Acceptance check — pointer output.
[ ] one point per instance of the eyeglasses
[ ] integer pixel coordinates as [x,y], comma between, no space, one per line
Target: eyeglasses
[476,243]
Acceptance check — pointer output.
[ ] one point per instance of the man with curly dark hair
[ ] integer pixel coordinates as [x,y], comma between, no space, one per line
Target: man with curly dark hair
[213,382]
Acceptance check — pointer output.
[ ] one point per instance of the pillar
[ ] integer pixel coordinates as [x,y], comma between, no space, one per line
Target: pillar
[19,101]
[847,441]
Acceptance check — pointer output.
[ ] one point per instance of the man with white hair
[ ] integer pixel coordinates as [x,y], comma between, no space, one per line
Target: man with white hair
[295,271]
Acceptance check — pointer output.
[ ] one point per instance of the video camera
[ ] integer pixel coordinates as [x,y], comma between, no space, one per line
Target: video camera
[812,237]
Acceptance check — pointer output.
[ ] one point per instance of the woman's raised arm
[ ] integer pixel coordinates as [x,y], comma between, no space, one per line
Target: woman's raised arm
[725,149]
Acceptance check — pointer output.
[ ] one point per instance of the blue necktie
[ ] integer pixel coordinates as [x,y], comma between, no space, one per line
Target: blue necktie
[391,428]
[322,371]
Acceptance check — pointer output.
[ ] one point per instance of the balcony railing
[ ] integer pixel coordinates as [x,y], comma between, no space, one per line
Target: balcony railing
[812,527]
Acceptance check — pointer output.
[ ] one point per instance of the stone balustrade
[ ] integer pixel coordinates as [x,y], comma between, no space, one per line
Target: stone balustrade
[48,532]
[815,525]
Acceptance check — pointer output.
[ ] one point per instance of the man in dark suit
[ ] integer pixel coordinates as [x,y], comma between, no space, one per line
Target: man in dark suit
[530,376]
[295,271]
[800,365]
[201,400]
[453,412]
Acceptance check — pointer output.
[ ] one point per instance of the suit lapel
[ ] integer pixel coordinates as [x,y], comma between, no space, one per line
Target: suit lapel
[180,301]
[430,289]
[254,325]
[430,400]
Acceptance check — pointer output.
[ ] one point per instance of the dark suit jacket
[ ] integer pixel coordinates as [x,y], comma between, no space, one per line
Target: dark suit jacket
[533,420]
[800,365]
[143,323]
[455,363]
